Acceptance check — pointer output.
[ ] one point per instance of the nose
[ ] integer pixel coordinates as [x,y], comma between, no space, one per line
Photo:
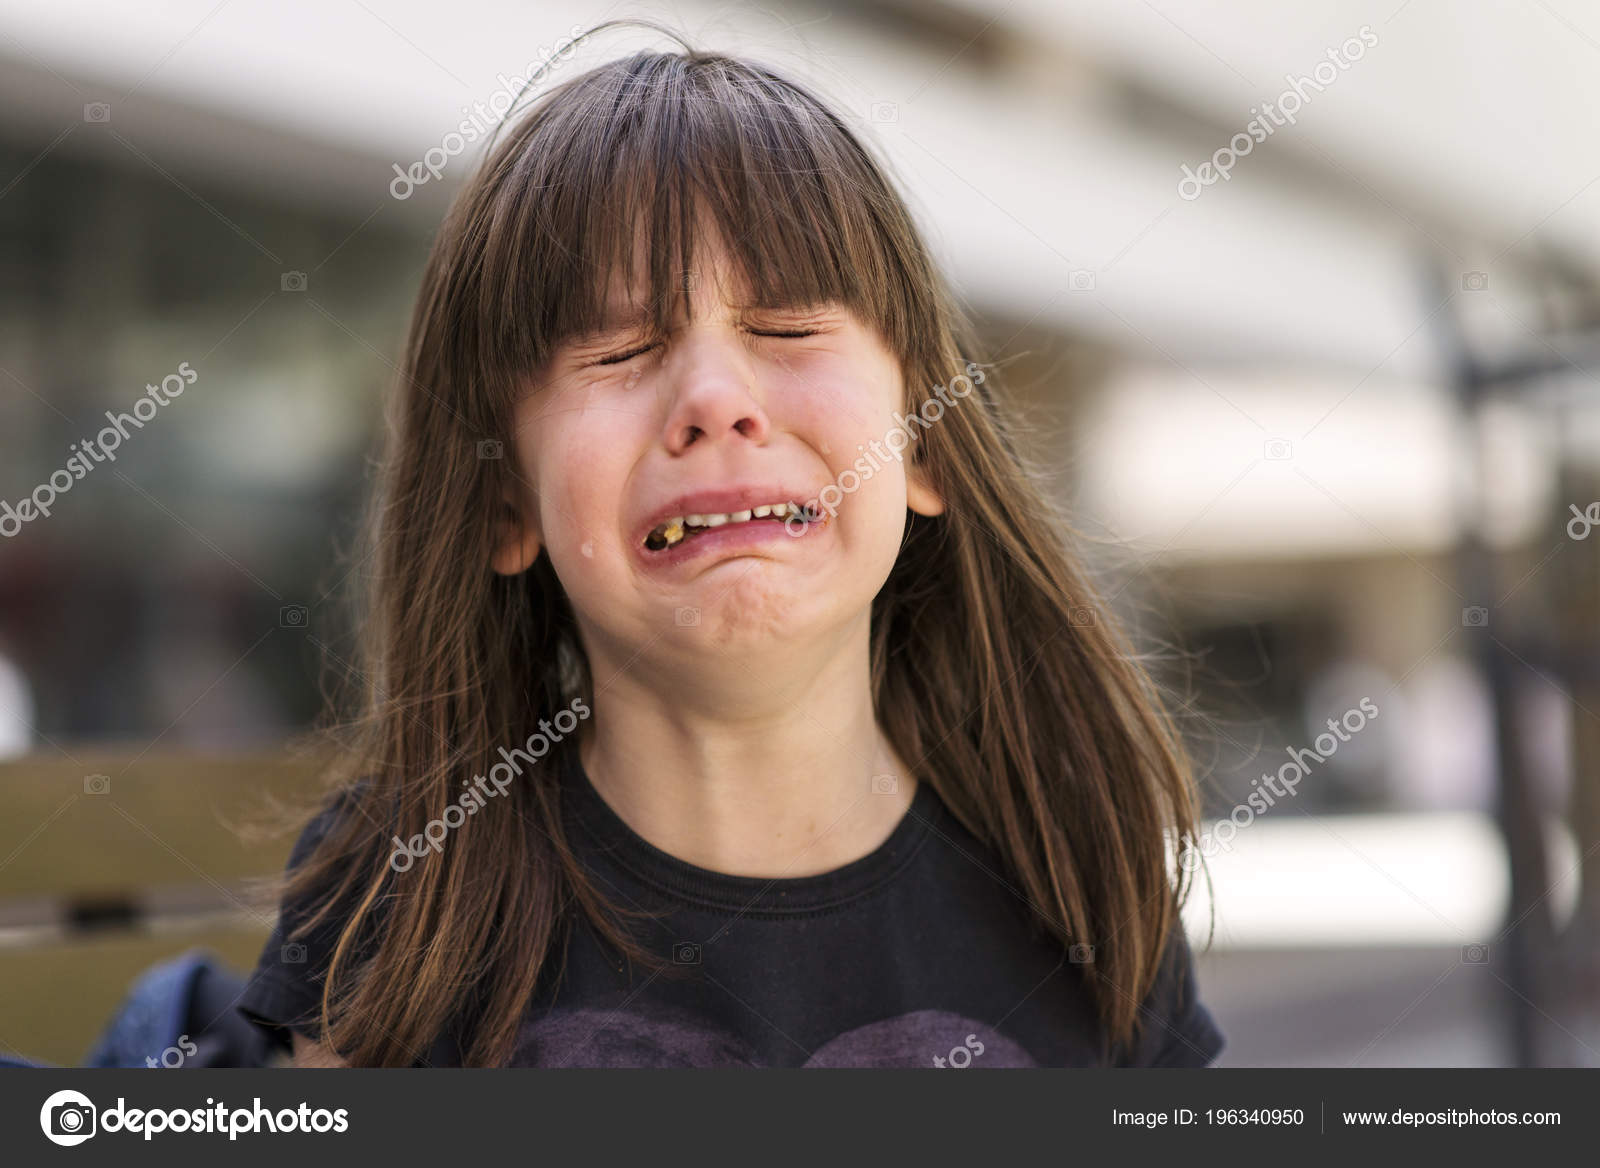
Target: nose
[710,385]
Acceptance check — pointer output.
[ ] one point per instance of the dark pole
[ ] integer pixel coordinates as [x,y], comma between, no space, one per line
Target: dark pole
[1529,932]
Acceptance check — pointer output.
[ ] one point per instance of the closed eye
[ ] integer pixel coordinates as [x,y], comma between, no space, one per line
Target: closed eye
[619,358]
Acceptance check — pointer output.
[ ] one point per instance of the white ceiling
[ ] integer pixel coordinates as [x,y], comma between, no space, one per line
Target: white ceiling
[1463,130]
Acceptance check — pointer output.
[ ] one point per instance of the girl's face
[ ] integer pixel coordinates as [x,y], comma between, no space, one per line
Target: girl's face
[624,434]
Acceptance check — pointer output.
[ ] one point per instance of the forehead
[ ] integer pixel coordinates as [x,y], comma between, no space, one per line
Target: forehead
[710,282]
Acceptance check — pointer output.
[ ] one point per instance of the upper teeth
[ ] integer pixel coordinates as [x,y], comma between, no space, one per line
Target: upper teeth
[674,529]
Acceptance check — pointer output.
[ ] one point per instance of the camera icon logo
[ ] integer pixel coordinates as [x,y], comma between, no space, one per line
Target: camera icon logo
[686,616]
[1475,955]
[1082,280]
[1277,450]
[294,953]
[293,616]
[67,1118]
[885,784]
[1474,281]
[885,111]
[491,448]
[292,282]
[686,953]
[1081,954]
[1080,615]
[97,111]
[1475,617]
[97,784]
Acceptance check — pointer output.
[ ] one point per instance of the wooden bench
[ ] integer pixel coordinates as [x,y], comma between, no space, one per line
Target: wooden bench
[114,860]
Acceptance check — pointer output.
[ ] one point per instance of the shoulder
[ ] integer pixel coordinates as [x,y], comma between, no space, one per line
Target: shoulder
[336,808]
[339,810]
[1175,1029]
[285,990]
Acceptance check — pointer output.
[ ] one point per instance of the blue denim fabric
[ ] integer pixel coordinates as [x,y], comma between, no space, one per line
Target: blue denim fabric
[154,1015]
[181,1014]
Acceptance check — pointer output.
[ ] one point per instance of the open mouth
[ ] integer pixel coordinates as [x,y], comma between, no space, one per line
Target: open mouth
[681,527]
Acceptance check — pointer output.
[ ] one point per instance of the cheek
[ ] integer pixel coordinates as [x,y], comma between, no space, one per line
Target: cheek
[849,423]
[835,392]
[574,467]
[844,415]
[581,503]
[866,489]
[879,500]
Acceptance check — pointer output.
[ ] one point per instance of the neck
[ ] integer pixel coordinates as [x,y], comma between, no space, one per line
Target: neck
[746,771]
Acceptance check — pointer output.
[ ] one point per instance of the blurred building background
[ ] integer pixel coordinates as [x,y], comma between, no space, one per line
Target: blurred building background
[1332,420]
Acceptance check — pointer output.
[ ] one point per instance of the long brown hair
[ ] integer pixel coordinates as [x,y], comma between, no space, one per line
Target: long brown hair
[998,675]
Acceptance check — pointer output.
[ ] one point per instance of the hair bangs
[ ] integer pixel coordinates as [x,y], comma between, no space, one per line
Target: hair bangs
[621,187]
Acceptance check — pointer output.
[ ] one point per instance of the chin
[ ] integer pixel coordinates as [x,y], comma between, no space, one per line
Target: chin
[755,611]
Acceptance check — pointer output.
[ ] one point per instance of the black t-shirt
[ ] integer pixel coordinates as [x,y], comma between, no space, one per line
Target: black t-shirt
[917,954]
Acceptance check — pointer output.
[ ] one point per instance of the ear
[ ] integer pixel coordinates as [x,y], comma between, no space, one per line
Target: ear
[517,539]
[920,495]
